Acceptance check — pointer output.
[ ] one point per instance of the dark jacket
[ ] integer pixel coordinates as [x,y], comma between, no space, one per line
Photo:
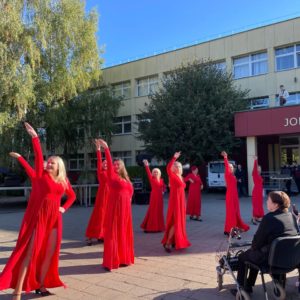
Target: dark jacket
[274,224]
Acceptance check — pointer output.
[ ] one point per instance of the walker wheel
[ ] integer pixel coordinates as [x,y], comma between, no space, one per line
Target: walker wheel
[278,291]
[242,295]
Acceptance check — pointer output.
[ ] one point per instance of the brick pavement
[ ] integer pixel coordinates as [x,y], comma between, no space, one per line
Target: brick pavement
[185,274]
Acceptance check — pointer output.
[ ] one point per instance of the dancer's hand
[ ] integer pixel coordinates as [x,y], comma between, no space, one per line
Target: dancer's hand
[191,180]
[177,154]
[14,154]
[202,187]
[146,163]
[30,130]
[97,144]
[61,209]
[254,157]
[224,154]
[103,143]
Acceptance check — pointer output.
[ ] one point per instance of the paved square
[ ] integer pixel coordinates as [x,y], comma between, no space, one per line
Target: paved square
[185,274]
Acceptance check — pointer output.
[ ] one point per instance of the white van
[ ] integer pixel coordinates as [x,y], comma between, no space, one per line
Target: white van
[215,174]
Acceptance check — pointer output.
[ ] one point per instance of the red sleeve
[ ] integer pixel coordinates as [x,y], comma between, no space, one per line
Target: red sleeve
[169,166]
[99,164]
[38,156]
[148,173]
[187,177]
[255,169]
[71,196]
[227,168]
[109,163]
[27,167]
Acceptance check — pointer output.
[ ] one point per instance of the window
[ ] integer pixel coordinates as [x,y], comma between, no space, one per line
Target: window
[259,102]
[146,86]
[124,155]
[76,162]
[122,89]
[220,65]
[141,121]
[93,161]
[250,65]
[287,57]
[122,125]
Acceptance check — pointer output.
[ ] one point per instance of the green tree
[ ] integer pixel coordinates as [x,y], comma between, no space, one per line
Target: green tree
[192,112]
[48,53]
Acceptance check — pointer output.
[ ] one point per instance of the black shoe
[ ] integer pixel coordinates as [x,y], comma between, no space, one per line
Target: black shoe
[233,292]
[253,221]
[167,249]
[89,242]
[226,233]
[198,219]
[191,218]
[43,293]
[100,240]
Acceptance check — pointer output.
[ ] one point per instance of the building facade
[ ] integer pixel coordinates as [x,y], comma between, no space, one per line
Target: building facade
[260,60]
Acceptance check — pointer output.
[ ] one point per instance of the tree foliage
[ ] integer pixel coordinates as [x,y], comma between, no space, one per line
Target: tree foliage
[192,112]
[48,53]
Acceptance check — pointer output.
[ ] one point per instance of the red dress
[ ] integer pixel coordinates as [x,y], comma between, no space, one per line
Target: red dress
[176,210]
[193,207]
[257,193]
[233,216]
[41,217]
[118,234]
[95,227]
[154,219]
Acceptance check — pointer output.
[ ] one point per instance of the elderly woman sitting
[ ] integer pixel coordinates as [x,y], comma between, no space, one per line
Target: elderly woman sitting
[278,222]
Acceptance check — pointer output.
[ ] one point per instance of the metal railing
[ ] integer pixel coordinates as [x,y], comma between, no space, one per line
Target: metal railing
[83,192]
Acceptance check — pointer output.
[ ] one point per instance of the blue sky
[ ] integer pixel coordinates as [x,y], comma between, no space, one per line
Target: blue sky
[134,29]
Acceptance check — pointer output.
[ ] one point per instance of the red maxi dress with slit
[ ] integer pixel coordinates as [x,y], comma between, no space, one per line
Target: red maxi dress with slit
[193,206]
[154,219]
[118,234]
[233,215]
[257,193]
[176,215]
[41,217]
[95,228]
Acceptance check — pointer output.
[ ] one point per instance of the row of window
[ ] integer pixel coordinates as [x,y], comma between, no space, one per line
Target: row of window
[263,102]
[249,65]
[76,161]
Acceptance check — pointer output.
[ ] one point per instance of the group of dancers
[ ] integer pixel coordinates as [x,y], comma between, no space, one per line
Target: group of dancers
[33,264]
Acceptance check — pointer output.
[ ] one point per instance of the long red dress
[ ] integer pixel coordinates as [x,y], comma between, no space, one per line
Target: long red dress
[193,207]
[118,234]
[257,193]
[176,210]
[41,217]
[154,219]
[95,228]
[233,215]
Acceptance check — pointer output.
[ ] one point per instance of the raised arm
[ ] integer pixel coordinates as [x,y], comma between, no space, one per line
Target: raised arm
[255,168]
[226,163]
[28,169]
[99,164]
[71,196]
[171,162]
[38,154]
[149,175]
[110,167]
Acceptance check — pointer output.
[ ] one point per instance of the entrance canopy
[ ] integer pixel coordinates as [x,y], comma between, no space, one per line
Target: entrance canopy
[270,121]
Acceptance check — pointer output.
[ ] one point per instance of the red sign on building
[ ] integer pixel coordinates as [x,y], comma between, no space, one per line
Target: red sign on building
[271,121]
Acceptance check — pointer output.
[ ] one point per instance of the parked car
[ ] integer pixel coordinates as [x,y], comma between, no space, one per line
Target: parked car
[215,174]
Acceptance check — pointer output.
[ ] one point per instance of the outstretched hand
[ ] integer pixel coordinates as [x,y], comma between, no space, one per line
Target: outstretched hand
[30,130]
[224,154]
[14,154]
[146,163]
[103,143]
[97,144]
[177,154]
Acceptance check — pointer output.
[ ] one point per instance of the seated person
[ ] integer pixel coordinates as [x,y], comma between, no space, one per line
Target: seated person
[278,222]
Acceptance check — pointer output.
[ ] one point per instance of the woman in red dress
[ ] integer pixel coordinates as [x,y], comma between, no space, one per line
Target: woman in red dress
[154,219]
[175,234]
[95,227]
[33,265]
[257,194]
[193,207]
[118,234]
[233,217]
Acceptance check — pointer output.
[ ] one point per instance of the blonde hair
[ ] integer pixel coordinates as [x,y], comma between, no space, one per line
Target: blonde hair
[61,176]
[158,171]
[122,171]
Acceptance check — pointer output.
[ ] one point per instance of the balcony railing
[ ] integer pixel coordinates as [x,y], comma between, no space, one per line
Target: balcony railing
[293,99]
